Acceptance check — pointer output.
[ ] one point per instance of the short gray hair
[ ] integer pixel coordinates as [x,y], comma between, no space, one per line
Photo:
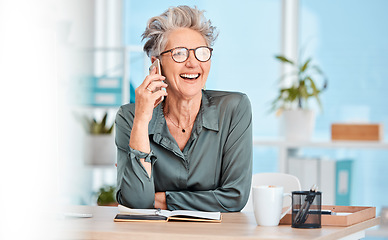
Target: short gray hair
[158,27]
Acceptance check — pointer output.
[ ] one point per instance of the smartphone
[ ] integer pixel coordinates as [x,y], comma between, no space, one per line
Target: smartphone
[156,64]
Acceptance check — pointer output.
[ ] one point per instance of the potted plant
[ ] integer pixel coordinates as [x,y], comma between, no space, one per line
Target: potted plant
[99,142]
[293,101]
[106,196]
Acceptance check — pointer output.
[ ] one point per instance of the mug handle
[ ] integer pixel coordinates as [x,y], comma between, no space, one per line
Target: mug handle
[288,209]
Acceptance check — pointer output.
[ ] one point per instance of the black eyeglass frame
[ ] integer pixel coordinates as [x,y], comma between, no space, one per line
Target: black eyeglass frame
[188,55]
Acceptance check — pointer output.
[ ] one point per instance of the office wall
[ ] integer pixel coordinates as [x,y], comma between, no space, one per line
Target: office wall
[349,40]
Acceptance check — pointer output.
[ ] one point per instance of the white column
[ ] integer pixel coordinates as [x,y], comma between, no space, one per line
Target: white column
[100,40]
[125,85]
[108,25]
[290,36]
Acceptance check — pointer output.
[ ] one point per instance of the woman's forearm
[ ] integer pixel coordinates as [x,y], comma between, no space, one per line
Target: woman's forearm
[160,200]
[223,200]
[135,185]
[135,188]
[139,141]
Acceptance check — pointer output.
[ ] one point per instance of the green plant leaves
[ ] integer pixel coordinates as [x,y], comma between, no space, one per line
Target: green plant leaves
[284,59]
[304,88]
[315,91]
[93,126]
[100,127]
[304,67]
[106,195]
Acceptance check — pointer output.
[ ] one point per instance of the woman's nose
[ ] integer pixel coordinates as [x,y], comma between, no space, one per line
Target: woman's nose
[191,60]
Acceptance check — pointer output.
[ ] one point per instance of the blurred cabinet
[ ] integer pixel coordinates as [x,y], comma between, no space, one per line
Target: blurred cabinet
[333,176]
[108,84]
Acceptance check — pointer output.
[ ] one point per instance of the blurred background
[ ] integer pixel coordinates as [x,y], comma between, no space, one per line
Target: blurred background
[98,61]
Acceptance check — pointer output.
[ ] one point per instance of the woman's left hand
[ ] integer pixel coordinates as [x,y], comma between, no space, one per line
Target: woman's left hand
[160,200]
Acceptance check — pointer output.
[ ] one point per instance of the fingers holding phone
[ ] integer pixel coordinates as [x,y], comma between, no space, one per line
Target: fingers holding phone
[155,85]
[149,94]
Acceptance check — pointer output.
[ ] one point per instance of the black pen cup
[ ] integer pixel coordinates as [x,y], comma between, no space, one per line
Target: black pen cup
[306,209]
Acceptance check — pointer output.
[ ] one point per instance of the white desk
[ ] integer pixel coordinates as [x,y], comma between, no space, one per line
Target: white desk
[233,226]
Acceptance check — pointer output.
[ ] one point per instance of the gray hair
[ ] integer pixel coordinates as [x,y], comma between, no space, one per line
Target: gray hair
[159,27]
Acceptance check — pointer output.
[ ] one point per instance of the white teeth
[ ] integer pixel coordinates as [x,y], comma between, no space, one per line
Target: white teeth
[190,75]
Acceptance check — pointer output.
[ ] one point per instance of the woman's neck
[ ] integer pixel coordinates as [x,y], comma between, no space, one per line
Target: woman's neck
[182,112]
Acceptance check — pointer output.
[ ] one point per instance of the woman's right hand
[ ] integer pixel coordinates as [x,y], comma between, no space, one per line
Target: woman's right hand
[148,95]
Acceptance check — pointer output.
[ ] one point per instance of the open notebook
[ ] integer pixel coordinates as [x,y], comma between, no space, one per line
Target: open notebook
[130,214]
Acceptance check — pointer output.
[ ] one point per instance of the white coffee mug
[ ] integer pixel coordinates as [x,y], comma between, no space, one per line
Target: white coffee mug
[268,204]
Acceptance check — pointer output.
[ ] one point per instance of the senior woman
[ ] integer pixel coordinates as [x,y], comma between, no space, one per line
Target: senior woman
[194,150]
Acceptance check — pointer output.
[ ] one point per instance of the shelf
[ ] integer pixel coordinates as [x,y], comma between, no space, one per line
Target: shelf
[290,148]
[320,144]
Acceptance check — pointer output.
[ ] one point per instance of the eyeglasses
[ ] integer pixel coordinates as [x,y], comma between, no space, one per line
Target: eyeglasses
[181,54]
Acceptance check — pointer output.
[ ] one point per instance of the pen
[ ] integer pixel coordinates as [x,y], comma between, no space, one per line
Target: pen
[302,214]
[326,212]
[322,212]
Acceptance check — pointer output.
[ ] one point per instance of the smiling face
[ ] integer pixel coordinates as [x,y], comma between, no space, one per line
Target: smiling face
[185,79]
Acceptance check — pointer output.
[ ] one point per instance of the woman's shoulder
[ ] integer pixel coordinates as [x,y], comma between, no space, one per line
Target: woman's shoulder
[226,97]
[126,110]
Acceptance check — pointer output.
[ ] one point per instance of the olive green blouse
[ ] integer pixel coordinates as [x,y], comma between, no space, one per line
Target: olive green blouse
[212,173]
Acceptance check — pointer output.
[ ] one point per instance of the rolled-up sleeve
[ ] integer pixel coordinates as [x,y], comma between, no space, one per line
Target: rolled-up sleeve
[135,188]
[236,170]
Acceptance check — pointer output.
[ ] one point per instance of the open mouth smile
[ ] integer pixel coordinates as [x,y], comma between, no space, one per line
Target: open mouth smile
[190,76]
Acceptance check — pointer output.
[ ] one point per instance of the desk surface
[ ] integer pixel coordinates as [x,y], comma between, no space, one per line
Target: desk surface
[233,226]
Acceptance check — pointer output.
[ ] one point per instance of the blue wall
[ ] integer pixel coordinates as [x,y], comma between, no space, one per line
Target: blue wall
[350,42]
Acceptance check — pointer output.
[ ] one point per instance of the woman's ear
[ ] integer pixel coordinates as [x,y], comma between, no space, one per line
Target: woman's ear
[153,59]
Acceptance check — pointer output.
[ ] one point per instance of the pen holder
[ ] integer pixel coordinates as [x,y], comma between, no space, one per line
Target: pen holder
[306,209]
